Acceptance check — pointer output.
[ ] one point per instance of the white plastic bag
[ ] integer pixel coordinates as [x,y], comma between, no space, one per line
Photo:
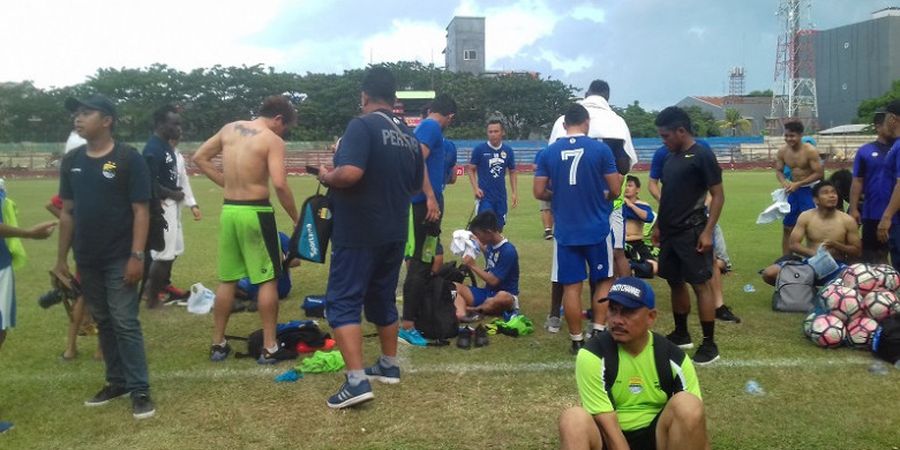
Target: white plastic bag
[823,263]
[777,210]
[201,300]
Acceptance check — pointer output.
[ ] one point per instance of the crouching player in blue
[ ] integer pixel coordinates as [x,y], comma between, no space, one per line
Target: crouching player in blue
[501,275]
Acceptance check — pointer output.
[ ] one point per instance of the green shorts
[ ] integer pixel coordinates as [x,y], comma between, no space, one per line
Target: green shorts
[248,242]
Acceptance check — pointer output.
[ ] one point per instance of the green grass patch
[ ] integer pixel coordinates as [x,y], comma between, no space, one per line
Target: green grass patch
[507,395]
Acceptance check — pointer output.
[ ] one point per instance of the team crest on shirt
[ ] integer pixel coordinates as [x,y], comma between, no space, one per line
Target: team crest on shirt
[571,140]
[503,155]
[874,154]
[635,385]
[109,170]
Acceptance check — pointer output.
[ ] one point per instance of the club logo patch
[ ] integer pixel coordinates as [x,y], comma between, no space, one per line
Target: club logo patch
[109,170]
[635,385]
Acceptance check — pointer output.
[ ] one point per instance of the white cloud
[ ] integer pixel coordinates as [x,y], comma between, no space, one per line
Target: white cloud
[589,12]
[509,29]
[567,65]
[62,43]
[407,41]
[697,31]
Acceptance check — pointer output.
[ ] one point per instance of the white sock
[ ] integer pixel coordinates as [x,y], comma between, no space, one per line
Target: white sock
[599,327]
[576,337]
[222,344]
[273,349]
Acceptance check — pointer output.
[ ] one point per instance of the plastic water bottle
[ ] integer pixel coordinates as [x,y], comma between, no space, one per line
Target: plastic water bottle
[897,364]
[879,367]
[753,388]
[748,288]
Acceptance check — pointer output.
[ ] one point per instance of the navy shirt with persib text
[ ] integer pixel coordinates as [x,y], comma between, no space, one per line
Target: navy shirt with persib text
[160,158]
[103,191]
[375,210]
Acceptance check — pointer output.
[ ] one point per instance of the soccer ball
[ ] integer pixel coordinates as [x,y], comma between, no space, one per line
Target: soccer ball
[859,331]
[807,324]
[841,301]
[827,331]
[863,277]
[890,278]
[880,304]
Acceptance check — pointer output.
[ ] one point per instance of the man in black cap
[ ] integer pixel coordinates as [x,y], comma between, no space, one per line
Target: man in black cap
[105,189]
[637,389]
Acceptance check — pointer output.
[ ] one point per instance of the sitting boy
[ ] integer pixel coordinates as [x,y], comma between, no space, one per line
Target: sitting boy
[248,291]
[501,276]
[637,214]
[823,225]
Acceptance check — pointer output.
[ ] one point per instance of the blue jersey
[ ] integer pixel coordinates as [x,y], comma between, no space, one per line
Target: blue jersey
[492,164]
[871,164]
[629,213]
[502,261]
[429,133]
[450,156]
[893,169]
[576,167]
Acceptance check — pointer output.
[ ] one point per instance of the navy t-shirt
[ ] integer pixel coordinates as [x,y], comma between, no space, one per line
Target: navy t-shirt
[429,133]
[492,164]
[871,164]
[375,210]
[576,167]
[450,156]
[103,193]
[686,179]
[502,261]
[161,161]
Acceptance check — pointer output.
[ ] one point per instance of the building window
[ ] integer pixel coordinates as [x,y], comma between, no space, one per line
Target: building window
[470,55]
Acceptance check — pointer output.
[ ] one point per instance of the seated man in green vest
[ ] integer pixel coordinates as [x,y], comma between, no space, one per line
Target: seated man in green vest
[637,389]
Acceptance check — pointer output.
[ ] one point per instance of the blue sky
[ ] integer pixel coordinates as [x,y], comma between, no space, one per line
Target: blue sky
[653,51]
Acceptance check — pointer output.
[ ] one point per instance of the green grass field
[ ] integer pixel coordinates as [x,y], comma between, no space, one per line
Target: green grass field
[507,395]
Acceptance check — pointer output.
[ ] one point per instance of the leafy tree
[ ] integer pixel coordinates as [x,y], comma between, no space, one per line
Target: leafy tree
[734,122]
[704,123]
[764,93]
[867,108]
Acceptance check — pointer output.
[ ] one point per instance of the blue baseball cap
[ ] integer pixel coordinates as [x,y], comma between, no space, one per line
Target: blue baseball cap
[632,292]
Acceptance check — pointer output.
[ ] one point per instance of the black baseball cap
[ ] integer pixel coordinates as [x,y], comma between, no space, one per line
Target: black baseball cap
[893,107]
[94,102]
[631,292]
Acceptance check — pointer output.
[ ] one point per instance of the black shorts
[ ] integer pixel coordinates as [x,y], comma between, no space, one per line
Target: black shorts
[679,260]
[643,438]
[640,251]
[421,229]
[870,243]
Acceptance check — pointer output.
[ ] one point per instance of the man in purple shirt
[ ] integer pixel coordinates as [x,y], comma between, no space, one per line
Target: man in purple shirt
[888,228]
[873,182]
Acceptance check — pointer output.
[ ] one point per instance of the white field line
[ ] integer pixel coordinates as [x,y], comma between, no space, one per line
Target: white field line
[224,373]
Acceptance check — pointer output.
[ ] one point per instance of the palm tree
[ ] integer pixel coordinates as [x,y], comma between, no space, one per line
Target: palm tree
[734,121]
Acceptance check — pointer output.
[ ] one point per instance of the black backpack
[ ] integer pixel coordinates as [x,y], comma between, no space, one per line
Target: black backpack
[288,337]
[886,340]
[310,239]
[121,152]
[664,351]
[436,318]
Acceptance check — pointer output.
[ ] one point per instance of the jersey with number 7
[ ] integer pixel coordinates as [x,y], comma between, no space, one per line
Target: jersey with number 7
[579,170]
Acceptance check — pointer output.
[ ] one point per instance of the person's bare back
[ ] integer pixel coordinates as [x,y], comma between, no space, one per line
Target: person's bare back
[245,154]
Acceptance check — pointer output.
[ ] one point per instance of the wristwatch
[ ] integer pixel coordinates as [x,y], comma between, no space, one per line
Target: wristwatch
[138,255]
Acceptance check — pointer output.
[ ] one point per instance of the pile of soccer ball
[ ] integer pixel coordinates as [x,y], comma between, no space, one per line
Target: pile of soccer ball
[850,307]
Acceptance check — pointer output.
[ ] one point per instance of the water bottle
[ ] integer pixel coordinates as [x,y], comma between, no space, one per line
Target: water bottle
[897,364]
[748,288]
[879,367]
[753,388]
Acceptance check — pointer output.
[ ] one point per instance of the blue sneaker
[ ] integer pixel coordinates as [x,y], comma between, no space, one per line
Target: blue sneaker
[412,337]
[351,395]
[5,426]
[387,375]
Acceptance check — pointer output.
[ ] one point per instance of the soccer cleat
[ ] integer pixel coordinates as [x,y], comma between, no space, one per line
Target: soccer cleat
[683,341]
[267,357]
[481,337]
[5,426]
[218,352]
[553,324]
[548,234]
[724,314]
[576,345]
[464,340]
[706,353]
[175,293]
[411,337]
[109,392]
[348,395]
[387,375]
[142,407]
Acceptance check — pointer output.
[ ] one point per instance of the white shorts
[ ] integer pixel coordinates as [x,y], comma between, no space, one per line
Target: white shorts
[617,229]
[7,299]
[173,236]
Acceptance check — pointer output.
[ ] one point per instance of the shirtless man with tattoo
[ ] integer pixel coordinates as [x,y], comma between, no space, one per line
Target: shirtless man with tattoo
[252,154]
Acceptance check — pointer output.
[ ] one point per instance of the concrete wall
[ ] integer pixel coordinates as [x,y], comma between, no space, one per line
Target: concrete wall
[465,33]
[838,148]
[855,63]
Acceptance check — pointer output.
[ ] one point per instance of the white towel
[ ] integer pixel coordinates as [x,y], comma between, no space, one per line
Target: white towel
[464,244]
[777,210]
